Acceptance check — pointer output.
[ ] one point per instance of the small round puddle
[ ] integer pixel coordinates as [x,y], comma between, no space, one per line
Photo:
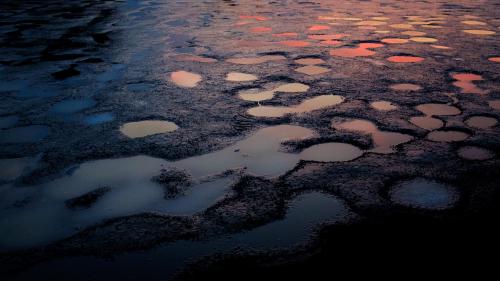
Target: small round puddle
[424,194]
[147,128]
[447,136]
[185,79]
[481,122]
[475,153]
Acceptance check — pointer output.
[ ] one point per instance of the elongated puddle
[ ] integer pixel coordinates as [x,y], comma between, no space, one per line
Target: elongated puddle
[304,213]
[257,95]
[384,142]
[405,59]
[424,194]
[132,191]
[363,50]
[147,128]
[240,77]
[309,105]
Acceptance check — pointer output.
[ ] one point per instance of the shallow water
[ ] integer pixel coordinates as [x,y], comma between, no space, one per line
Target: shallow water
[214,84]
[425,194]
[304,213]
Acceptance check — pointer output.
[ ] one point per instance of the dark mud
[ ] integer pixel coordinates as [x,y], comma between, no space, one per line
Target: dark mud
[74,73]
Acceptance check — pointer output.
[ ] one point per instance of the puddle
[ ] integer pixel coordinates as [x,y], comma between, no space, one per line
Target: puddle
[295,43]
[383,105]
[481,122]
[440,47]
[147,128]
[185,79]
[286,34]
[72,106]
[255,60]
[304,213]
[8,121]
[99,118]
[438,109]
[473,22]
[405,59]
[132,191]
[494,59]
[474,153]
[259,95]
[423,39]
[447,136]
[479,32]
[312,70]
[240,77]
[28,134]
[464,81]
[331,152]
[260,29]
[405,87]
[495,104]
[383,142]
[424,194]
[427,122]
[363,50]
[413,33]
[310,61]
[318,27]
[401,26]
[394,41]
[308,105]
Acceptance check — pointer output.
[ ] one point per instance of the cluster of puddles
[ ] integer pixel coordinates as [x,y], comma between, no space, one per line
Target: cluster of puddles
[132,190]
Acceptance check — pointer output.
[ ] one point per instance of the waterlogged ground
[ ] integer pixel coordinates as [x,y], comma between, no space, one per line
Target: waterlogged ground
[168,133]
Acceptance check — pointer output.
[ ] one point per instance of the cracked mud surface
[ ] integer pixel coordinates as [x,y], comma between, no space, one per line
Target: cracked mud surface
[162,139]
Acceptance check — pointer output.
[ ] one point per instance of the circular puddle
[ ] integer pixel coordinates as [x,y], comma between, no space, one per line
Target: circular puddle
[424,194]
[383,105]
[331,152]
[447,136]
[481,122]
[185,79]
[427,122]
[405,59]
[475,153]
[240,77]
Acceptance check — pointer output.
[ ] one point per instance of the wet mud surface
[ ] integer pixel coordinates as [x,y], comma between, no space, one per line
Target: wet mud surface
[159,140]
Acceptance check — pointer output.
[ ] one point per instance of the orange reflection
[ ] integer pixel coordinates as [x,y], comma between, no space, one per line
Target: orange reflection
[361,51]
[286,34]
[318,27]
[464,81]
[405,59]
[260,29]
[295,43]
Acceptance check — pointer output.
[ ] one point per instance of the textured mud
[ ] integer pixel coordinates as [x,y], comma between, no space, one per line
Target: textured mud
[73,74]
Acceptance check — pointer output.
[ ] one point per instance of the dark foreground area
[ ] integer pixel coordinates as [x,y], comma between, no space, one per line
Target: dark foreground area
[186,140]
